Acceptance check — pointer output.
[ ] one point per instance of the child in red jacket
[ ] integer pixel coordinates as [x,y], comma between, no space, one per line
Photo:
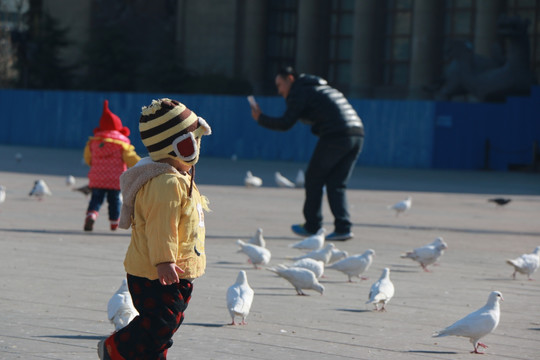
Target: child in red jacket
[108,153]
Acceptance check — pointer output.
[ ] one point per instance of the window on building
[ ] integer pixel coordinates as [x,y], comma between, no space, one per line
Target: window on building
[459,20]
[340,43]
[530,10]
[397,43]
[281,40]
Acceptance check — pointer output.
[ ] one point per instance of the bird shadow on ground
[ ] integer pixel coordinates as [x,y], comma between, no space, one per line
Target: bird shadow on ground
[75,337]
[498,279]
[228,263]
[404,271]
[209,325]
[400,268]
[354,310]
[432,352]
[534,329]
[62,232]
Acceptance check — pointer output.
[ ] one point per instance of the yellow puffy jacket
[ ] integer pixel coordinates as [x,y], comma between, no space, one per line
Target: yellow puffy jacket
[167,226]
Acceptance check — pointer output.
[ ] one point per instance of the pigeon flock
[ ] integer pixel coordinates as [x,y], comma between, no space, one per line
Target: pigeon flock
[305,273]
[253,181]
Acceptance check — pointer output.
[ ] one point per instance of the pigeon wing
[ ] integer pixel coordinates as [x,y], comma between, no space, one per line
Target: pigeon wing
[239,299]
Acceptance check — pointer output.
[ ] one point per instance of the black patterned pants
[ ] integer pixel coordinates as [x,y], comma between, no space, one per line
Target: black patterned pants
[161,312]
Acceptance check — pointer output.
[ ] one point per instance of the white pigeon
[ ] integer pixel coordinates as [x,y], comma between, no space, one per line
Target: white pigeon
[300,179]
[252,181]
[337,255]
[354,265]
[316,266]
[526,264]
[323,254]
[313,242]
[381,291]
[70,180]
[427,254]
[282,181]
[2,194]
[477,324]
[402,206]
[257,254]
[120,309]
[258,238]
[240,298]
[300,278]
[40,189]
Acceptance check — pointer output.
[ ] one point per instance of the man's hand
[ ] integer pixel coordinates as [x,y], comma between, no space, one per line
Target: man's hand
[256,112]
[167,273]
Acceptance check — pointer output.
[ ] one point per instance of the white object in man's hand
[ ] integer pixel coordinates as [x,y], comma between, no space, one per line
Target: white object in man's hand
[252,101]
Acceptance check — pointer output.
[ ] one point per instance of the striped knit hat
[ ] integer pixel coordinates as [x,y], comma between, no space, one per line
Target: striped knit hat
[169,129]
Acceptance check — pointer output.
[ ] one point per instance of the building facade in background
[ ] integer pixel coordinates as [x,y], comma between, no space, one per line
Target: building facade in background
[394,49]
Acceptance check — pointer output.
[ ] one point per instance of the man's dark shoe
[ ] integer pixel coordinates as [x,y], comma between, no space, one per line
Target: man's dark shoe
[339,236]
[299,230]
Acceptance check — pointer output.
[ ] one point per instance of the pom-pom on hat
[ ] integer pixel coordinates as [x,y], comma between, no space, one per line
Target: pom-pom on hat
[169,129]
[110,121]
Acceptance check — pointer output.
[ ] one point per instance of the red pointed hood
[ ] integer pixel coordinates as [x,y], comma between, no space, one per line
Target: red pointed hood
[110,121]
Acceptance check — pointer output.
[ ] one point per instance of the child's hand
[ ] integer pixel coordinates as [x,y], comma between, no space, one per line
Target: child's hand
[167,273]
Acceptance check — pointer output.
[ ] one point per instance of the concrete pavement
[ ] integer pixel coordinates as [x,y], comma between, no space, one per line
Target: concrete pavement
[56,279]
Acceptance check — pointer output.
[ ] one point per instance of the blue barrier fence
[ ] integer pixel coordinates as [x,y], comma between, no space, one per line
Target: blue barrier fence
[411,134]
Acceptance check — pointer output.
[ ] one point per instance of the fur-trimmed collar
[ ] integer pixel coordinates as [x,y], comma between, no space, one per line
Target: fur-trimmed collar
[131,182]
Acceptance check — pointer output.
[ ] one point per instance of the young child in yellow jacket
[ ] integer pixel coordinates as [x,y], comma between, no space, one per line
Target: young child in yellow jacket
[165,211]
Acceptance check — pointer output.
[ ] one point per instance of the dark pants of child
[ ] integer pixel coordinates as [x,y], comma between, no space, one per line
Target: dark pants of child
[113,199]
[161,312]
[331,164]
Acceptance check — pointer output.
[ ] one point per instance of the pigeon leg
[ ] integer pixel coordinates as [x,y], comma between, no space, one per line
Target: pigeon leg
[364,278]
[425,268]
[300,292]
[233,322]
[514,275]
[475,351]
[243,322]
